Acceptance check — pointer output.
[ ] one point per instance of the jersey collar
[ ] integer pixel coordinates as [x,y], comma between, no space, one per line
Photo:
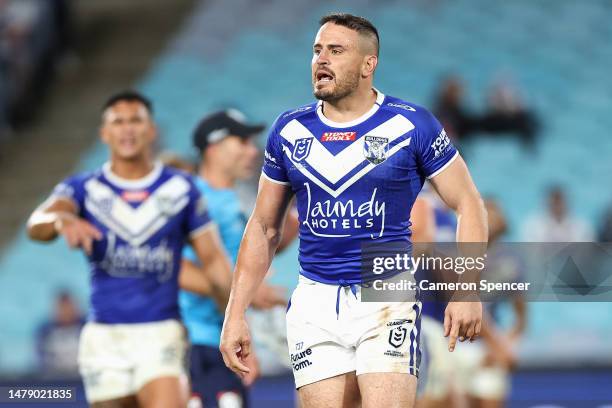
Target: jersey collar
[132,183]
[380,97]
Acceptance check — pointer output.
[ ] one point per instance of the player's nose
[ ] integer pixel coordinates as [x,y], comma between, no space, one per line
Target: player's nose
[322,58]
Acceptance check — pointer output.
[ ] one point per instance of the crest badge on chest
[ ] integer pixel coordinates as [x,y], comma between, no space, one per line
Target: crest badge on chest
[375,148]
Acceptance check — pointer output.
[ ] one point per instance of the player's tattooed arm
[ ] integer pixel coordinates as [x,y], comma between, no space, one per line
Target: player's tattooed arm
[215,265]
[260,241]
[59,217]
[463,317]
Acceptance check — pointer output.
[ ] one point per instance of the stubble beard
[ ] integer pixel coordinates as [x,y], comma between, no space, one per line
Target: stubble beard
[342,89]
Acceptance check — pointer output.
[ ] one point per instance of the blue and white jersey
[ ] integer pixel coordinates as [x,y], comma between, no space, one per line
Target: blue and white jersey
[145,223]
[355,182]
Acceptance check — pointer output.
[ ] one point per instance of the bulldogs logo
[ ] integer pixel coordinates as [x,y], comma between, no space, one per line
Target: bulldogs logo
[375,149]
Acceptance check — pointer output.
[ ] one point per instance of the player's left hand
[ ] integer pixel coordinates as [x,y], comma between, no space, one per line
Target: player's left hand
[236,345]
[462,320]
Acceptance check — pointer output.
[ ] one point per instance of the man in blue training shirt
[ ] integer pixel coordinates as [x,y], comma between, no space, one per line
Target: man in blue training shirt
[132,218]
[228,154]
[355,161]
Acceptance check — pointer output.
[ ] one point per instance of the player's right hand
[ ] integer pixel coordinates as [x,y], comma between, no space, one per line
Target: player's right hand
[236,345]
[77,232]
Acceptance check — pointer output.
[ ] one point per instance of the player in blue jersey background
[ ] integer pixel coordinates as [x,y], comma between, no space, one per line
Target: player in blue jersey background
[132,218]
[228,154]
[355,161]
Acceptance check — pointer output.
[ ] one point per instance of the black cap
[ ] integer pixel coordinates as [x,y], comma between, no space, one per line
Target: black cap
[219,125]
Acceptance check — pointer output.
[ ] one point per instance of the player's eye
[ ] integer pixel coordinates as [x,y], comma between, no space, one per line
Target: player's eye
[336,51]
[316,51]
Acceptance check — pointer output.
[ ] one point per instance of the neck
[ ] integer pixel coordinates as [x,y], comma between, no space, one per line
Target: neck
[131,169]
[215,176]
[350,107]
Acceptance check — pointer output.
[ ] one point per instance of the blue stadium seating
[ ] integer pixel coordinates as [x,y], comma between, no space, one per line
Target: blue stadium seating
[558,52]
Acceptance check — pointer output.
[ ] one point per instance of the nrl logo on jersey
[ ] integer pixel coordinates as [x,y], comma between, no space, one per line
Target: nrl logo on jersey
[301,148]
[375,149]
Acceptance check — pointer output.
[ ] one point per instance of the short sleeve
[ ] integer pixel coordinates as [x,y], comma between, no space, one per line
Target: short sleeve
[198,219]
[71,189]
[274,166]
[434,148]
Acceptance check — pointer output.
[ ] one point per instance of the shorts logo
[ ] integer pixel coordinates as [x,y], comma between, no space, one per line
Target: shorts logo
[338,136]
[301,149]
[300,360]
[397,336]
[375,149]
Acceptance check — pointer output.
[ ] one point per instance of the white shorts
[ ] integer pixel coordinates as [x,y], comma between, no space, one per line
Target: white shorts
[441,362]
[331,332]
[116,360]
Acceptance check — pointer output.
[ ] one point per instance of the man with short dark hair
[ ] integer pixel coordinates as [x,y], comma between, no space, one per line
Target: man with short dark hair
[131,218]
[356,161]
[228,154]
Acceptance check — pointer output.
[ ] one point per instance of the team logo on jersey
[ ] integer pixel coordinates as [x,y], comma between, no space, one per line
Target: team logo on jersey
[301,148]
[375,149]
[164,204]
[338,136]
[106,204]
[397,336]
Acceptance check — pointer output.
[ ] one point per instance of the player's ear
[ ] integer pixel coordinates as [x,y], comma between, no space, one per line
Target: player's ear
[369,65]
[103,132]
[153,131]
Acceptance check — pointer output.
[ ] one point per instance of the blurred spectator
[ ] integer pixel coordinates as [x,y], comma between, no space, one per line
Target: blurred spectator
[556,224]
[33,35]
[58,338]
[508,113]
[450,110]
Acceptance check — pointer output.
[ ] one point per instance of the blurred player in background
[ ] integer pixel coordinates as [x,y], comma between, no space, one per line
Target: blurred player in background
[483,369]
[356,161]
[131,218]
[478,375]
[228,154]
[432,221]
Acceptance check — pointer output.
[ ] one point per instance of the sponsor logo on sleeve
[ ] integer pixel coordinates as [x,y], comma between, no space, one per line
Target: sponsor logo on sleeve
[402,106]
[441,143]
[269,157]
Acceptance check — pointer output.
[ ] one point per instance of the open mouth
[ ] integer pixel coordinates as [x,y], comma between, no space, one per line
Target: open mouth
[128,142]
[324,77]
